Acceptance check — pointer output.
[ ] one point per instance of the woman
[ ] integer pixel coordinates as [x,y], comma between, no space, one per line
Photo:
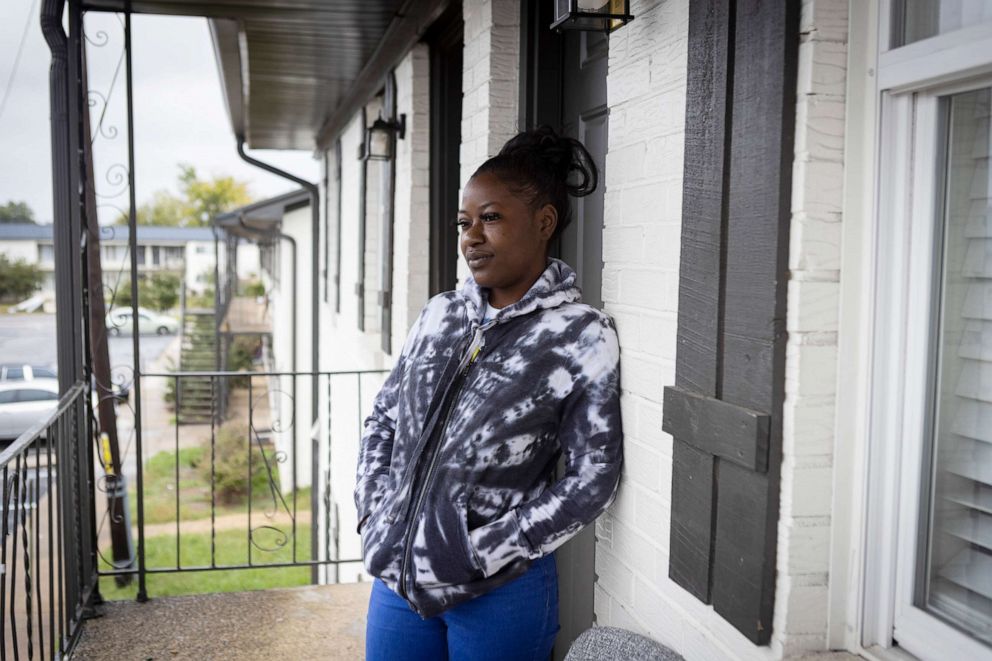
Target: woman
[458,507]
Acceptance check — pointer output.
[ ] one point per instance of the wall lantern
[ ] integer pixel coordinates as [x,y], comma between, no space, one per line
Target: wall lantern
[591,15]
[379,138]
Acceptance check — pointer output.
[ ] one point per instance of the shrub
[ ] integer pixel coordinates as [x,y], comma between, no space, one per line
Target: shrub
[240,357]
[18,279]
[204,300]
[169,395]
[254,288]
[231,465]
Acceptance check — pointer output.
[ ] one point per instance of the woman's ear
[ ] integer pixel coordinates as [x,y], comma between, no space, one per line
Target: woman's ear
[547,218]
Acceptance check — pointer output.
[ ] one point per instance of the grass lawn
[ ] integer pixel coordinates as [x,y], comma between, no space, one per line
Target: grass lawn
[194,488]
[231,547]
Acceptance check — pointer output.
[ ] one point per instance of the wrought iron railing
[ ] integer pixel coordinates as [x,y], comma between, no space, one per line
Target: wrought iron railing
[259,469]
[47,562]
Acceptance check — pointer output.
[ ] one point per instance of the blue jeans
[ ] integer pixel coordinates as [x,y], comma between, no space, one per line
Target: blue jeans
[516,621]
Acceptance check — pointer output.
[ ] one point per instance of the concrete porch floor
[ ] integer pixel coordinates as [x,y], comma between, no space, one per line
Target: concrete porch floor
[312,622]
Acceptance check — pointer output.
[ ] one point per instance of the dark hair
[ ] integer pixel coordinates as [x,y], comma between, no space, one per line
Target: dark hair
[538,165]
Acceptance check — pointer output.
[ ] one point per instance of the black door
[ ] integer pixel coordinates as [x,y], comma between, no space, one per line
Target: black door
[584,117]
[445,38]
[564,85]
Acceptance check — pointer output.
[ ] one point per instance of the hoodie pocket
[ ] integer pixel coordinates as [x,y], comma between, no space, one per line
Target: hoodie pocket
[446,557]
[376,552]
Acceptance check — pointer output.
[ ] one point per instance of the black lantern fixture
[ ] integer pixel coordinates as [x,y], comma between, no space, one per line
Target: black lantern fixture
[379,138]
[591,15]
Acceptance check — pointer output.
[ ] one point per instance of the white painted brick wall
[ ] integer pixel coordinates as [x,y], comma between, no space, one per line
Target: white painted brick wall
[411,229]
[646,93]
[812,323]
[490,83]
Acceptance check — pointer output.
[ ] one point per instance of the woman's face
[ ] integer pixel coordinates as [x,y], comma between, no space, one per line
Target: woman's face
[502,239]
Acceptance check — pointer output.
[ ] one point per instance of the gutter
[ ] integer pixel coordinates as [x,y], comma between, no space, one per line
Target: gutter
[314,327]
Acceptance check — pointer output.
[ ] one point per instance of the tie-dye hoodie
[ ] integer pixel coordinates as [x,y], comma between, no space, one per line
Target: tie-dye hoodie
[457,460]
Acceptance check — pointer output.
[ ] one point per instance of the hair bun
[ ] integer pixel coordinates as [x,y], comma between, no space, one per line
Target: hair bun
[543,167]
[563,155]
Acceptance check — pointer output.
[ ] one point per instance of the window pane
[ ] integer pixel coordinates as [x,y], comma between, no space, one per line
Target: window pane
[919,19]
[958,552]
[35,396]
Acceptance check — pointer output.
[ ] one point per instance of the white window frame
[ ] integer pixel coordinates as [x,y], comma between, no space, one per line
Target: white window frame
[910,83]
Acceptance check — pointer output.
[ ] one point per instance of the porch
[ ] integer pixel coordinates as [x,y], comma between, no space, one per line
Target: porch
[314,621]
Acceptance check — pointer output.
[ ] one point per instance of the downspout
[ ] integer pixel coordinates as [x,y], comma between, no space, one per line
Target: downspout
[388,194]
[362,212]
[314,473]
[314,192]
[219,349]
[51,27]
[337,227]
[79,556]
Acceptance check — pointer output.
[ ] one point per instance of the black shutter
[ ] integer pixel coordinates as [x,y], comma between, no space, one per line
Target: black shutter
[724,411]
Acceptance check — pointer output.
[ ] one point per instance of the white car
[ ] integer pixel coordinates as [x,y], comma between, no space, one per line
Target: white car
[25,403]
[24,372]
[119,322]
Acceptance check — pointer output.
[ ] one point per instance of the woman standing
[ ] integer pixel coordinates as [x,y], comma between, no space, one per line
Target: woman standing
[458,507]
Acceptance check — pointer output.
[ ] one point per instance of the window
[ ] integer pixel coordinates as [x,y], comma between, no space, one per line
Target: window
[955,553]
[114,253]
[156,255]
[14,373]
[8,396]
[928,572]
[35,395]
[913,20]
[46,253]
[44,373]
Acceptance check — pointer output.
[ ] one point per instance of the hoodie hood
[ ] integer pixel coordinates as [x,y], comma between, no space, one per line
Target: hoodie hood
[556,286]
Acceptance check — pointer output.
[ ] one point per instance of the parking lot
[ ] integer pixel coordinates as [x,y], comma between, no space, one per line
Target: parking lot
[30,338]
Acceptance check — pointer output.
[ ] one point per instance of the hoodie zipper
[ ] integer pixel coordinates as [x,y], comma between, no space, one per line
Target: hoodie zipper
[464,367]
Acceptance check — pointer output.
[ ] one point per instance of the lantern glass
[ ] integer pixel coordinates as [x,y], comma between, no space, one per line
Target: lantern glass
[591,15]
[379,141]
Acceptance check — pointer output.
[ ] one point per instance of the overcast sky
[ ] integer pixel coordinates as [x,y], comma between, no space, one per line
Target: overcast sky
[178,106]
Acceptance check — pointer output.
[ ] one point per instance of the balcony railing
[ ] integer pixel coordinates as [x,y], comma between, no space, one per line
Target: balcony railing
[47,562]
[249,487]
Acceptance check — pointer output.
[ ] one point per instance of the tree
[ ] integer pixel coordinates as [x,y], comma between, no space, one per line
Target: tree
[18,279]
[16,212]
[198,202]
[159,291]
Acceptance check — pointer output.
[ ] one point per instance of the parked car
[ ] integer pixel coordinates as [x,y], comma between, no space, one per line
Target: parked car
[24,403]
[25,372]
[119,322]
